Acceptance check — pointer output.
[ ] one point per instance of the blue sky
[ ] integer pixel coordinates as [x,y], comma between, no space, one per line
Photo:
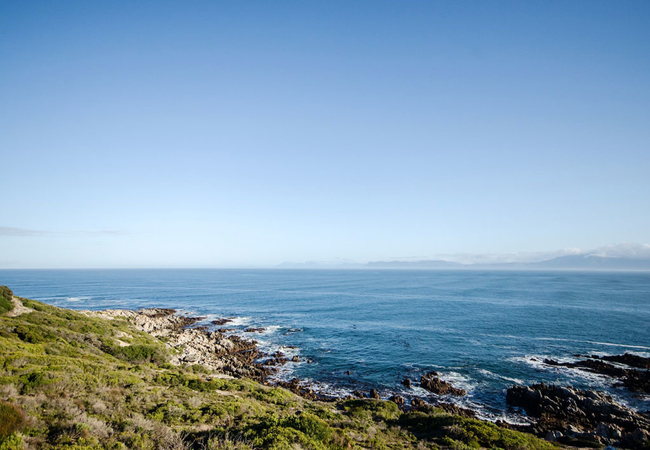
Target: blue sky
[226,134]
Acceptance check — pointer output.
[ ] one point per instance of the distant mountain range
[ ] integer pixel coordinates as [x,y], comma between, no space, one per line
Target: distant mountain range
[570,262]
[614,257]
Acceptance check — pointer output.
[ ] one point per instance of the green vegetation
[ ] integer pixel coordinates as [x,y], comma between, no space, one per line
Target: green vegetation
[5,299]
[72,381]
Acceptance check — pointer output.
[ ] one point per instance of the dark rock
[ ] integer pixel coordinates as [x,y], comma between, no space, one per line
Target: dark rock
[374,394]
[584,415]
[406,382]
[295,359]
[221,321]
[456,410]
[553,435]
[633,379]
[358,394]
[397,399]
[432,383]
[418,403]
[639,438]
[253,330]
[628,359]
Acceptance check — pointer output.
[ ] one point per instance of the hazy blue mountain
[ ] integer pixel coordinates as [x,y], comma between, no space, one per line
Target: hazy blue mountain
[626,256]
[431,264]
[592,262]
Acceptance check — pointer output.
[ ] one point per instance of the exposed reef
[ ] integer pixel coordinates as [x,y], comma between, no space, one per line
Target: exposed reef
[432,383]
[573,416]
[630,372]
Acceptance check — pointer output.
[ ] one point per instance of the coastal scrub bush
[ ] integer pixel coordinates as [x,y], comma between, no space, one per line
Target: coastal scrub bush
[276,396]
[138,354]
[12,419]
[33,334]
[32,381]
[377,409]
[5,299]
[470,432]
[310,425]
[271,432]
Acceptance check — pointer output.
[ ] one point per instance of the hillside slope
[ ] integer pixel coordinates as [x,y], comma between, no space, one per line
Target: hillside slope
[72,381]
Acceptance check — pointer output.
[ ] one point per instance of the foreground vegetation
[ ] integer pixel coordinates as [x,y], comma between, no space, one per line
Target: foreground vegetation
[72,381]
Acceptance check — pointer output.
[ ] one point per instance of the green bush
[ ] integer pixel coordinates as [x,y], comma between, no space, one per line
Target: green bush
[377,409]
[277,396]
[469,432]
[138,354]
[5,299]
[311,425]
[32,381]
[12,419]
[12,442]
[33,334]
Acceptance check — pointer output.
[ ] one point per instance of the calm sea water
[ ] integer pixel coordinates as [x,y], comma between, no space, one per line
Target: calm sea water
[484,331]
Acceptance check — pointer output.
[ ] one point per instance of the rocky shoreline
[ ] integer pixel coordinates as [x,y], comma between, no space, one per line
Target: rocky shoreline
[226,354]
[560,413]
[572,416]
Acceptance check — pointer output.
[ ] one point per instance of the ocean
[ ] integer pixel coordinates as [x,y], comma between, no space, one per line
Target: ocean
[482,330]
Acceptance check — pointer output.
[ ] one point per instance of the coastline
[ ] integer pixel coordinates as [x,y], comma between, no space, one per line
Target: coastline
[95,375]
[539,404]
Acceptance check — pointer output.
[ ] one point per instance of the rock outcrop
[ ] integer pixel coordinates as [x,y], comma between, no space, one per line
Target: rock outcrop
[635,379]
[432,383]
[230,355]
[628,359]
[565,413]
[418,403]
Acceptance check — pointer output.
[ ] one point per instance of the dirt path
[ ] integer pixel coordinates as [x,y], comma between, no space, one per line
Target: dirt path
[19,308]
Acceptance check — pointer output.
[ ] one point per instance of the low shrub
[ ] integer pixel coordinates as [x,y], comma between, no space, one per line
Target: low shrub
[5,299]
[310,425]
[33,334]
[33,380]
[469,432]
[377,409]
[12,419]
[138,354]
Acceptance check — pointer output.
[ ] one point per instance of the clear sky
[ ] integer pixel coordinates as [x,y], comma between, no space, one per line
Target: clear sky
[244,133]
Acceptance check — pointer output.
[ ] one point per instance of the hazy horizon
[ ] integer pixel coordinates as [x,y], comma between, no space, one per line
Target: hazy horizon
[214,134]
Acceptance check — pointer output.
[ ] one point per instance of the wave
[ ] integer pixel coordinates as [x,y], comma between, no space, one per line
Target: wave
[543,338]
[489,374]
[77,299]
[240,321]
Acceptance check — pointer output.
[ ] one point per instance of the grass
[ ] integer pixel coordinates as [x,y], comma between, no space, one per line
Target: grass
[65,384]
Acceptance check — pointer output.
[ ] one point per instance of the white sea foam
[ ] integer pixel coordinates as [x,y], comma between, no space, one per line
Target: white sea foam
[211,317]
[240,321]
[487,373]
[459,380]
[543,338]
[77,299]
[617,345]
[270,329]
[537,361]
